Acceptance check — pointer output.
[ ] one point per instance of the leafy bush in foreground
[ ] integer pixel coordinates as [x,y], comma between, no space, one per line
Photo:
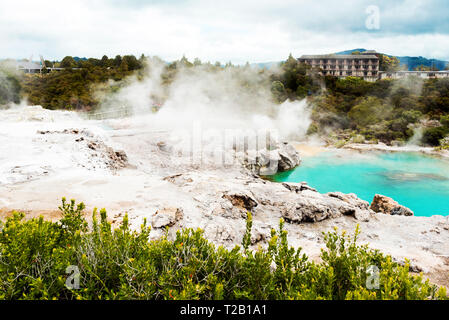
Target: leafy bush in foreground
[123,264]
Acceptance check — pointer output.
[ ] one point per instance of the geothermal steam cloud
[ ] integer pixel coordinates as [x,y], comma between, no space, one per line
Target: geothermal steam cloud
[232,98]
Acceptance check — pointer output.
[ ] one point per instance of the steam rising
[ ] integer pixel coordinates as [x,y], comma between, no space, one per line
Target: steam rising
[229,98]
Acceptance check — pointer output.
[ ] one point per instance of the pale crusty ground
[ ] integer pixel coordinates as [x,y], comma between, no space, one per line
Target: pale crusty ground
[308,150]
[407,148]
[55,167]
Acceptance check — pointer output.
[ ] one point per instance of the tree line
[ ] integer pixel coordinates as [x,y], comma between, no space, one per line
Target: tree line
[350,109]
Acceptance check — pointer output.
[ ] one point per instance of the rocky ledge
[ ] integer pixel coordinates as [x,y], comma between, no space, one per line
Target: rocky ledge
[280,157]
[383,204]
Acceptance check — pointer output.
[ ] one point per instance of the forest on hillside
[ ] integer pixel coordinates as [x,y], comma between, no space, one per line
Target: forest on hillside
[355,110]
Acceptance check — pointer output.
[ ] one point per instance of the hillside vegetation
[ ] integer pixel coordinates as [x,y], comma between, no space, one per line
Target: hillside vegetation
[74,87]
[344,110]
[71,260]
[354,110]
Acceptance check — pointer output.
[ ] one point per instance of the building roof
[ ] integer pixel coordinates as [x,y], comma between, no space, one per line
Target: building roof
[415,71]
[339,56]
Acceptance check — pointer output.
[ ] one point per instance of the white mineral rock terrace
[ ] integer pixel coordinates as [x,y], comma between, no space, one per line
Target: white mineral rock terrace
[129,165]
[407,148]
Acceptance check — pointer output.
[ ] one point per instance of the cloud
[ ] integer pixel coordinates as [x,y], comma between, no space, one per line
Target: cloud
[233,30]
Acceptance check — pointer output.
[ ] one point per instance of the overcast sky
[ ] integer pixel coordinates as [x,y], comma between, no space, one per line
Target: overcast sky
[225,30]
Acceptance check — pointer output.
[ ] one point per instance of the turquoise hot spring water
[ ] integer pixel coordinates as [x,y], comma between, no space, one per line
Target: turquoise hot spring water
[415,180]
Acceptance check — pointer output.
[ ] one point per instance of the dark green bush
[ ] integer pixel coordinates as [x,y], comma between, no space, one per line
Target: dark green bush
[432,136]
[118,263]
[445,121]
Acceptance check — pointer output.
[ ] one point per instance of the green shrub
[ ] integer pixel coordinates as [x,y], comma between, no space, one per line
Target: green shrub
[278,91]
[118,263]
[445,121]
[369,111]
[411,116]
[432,136]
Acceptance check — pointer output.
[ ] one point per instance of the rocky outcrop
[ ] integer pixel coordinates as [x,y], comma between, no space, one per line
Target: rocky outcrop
[241,200]
[115,160]
[386,205]
[358,208]
[231,197]
[282,157]
[99,153]
[313,206]
[298,187]
[167,217]
[430,123]
[289,157]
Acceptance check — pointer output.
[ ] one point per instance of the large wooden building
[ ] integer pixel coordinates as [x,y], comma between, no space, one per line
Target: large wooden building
[364,65]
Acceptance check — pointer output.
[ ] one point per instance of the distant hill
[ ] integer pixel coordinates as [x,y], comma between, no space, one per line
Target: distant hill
[78,59]
[350,51]
[411,62]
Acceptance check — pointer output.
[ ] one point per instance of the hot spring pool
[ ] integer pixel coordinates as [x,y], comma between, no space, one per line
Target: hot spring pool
[415,180]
